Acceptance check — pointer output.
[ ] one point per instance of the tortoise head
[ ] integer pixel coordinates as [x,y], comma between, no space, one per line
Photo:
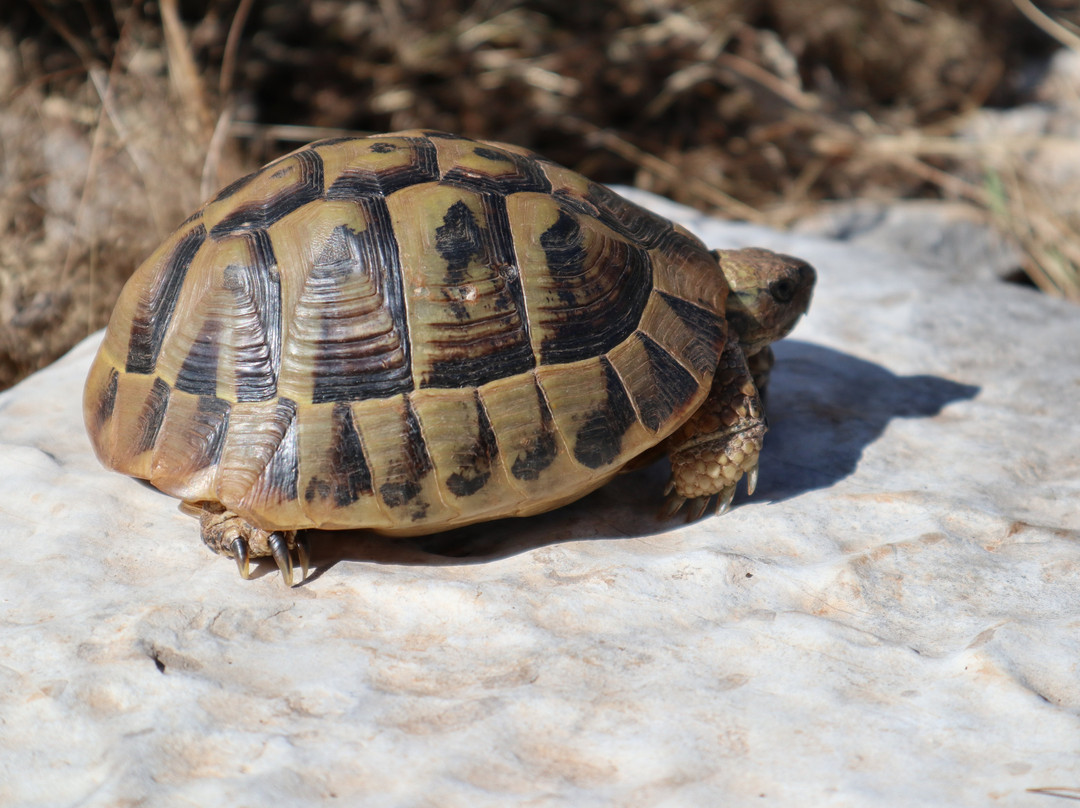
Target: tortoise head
[769,293]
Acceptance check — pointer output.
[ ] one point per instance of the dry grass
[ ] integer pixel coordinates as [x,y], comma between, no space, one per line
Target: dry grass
[117,118]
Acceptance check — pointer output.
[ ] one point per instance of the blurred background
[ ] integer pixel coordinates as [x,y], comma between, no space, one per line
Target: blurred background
[117,118]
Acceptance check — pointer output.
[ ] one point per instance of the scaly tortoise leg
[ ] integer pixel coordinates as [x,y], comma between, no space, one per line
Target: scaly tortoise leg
[760,366]
[719,444]
[229,534]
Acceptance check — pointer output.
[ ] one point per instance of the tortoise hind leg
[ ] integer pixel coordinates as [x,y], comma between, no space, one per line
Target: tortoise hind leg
[720,442]
[229,534]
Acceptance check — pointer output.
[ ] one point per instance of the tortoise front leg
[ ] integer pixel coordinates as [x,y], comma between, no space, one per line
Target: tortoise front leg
[229,534]
[719,444]
[760,366]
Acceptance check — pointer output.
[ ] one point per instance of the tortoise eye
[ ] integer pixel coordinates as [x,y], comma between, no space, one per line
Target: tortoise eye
[782,291]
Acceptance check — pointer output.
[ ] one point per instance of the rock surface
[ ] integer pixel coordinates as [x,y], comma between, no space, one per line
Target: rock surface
[952,237]
[892,620]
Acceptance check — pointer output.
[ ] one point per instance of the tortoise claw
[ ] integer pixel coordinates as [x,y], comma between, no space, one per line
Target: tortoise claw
[672,505]
[697,508]
[751,480]
[673,502]
[242,556]
[723,502]
[280,549]
[303,552]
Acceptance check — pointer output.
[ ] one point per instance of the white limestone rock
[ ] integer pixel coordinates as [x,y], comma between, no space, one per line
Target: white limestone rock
[892,620]
[953,237]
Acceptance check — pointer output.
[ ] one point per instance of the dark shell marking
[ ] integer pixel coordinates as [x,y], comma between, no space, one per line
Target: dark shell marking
[475,467]
[599,439]
[212,421]
[405,329]
[541,448]
[156,309]
[103,410]
[352,312]
[498,318]
[150,419]
[350,475]
[412,465]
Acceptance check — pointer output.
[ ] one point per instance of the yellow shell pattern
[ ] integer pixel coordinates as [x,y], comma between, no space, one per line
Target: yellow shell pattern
[404,332]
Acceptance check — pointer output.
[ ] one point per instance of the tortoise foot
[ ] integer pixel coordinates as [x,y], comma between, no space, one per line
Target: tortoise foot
[229,534]
[713,469]
[279,548]
[697,506]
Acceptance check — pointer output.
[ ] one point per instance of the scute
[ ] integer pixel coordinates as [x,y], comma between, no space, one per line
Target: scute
[371,168]
[465,294]
[189,446]
[346,334]
[405,332]
[660,388]
[157,302]
[272,194]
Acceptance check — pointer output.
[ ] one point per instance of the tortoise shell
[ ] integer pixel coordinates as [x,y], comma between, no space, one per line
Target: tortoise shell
[405,332]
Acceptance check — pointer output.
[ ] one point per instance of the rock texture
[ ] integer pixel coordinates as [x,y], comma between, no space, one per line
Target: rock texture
[892,620]
[952,237]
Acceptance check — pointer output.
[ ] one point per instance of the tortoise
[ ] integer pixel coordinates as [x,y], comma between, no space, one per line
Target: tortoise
[415,331]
